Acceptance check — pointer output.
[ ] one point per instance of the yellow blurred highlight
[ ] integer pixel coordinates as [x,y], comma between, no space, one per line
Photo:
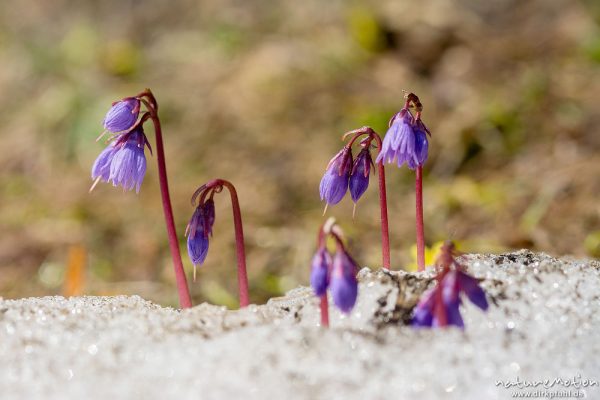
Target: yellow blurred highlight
[431,254]
[75,274]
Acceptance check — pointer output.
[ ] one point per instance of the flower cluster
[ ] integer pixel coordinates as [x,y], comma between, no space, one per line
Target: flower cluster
[343,173]
[439,306]
[338,273]
[406,139]
[123,161]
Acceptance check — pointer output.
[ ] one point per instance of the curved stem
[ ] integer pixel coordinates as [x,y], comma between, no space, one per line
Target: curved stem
[385,232]
[185,300]
[419,219]
[239,244]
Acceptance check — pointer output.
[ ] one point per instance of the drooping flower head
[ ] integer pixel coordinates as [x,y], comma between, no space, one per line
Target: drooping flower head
[339,274]
[128,165]
[320,271]
[343,173]
[406,139]
[334,183]
[344,286]
[197,237]
[439,306]
[123,115]
[123,162]
[359,178]
[399,141]
[201,224]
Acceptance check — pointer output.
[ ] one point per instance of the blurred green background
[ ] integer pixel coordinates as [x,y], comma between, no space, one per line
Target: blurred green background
[259,93]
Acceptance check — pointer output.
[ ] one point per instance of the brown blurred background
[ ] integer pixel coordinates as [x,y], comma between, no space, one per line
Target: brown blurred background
[259,92]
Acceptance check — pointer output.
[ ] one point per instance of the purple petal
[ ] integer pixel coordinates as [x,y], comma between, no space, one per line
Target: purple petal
[423,313]
[333,187]
[406,145]
[359,179]
[470,286]
[344,286]
[101,167]
[319,274]
[399,142]
[122,115]
[334,183]
[197,240]
[421,147]
[453,315]
[128,165]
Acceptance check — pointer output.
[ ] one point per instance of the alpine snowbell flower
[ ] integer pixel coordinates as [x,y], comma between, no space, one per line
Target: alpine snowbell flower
[406,142]
[339,274]
[359,178]
[334,183]
[122,115]
[197,237]
[399,141]
[439,307]
[200,227]
[123,163]
[320,270]
[344,286]
[128,164]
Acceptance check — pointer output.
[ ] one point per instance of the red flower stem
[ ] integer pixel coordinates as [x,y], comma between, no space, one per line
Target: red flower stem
[324,305]
[419,219]
[185,300]
[239,244]
[385,233]
[324,311]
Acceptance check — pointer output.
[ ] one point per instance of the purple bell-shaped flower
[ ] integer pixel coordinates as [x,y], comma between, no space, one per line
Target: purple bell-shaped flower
[344,286]
[334,183]
[122,115]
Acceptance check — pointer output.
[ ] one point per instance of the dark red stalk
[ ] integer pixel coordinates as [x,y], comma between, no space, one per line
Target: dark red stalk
[414,99]
[419,219]
[185,300]
[385,232]
[324,311]
[324,303]
[239,244]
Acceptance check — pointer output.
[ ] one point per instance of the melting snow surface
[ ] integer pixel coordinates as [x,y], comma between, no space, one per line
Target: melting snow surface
[543,323]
